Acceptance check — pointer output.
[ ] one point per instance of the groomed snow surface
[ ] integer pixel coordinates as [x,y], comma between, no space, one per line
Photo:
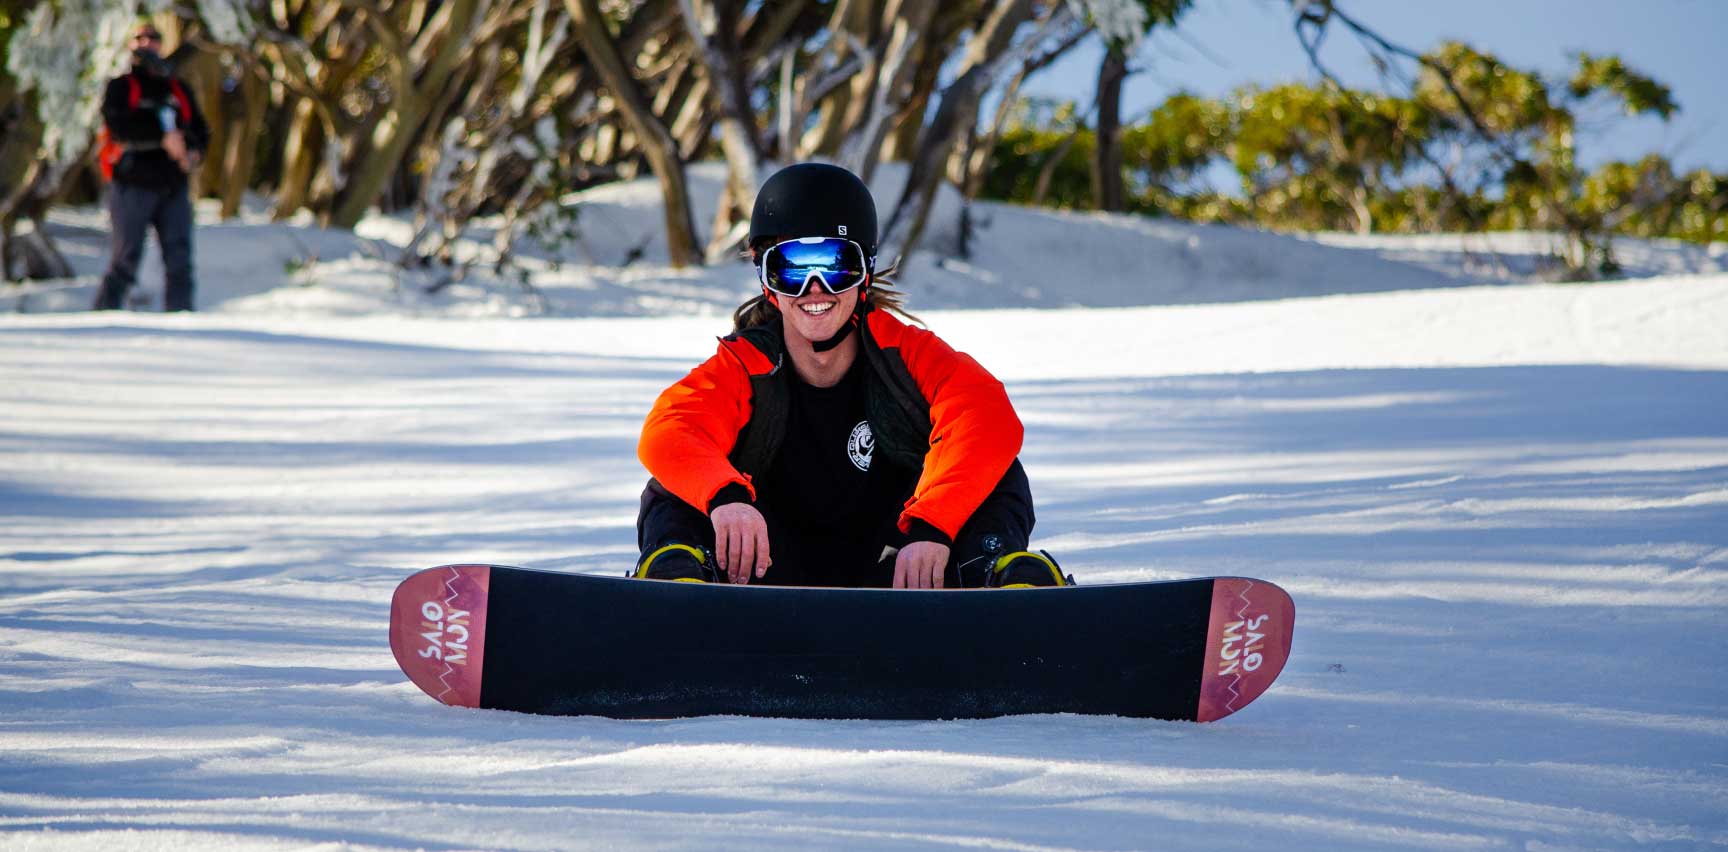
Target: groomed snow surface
[1501,508]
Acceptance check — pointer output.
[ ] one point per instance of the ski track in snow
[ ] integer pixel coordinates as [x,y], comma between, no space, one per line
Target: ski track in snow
[1501,511]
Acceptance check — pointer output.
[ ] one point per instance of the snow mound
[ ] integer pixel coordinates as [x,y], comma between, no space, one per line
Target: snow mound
[1013,257]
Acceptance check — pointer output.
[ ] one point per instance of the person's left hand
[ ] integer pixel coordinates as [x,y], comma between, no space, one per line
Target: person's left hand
[920,565]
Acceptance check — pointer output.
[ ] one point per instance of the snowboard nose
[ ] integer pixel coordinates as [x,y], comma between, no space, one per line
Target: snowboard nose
[438,631]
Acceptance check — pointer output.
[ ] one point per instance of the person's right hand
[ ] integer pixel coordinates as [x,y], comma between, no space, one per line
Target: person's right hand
[740,541]
[174,145]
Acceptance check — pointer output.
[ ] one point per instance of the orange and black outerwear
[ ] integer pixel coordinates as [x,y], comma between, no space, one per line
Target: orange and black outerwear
[930,408]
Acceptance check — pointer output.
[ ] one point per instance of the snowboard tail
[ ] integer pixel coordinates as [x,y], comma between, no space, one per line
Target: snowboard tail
[570,644]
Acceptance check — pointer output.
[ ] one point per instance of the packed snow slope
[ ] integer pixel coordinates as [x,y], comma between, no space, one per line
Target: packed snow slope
[1501,508]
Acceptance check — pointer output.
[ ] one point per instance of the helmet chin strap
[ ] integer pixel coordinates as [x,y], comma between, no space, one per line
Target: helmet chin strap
[838,338]
[845,330]
[858,310]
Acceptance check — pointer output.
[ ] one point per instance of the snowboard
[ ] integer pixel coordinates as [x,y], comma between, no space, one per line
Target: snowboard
[573,644]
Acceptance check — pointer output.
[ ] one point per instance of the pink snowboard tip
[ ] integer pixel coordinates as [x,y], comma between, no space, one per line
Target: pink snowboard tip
[1247,643]
[438,631]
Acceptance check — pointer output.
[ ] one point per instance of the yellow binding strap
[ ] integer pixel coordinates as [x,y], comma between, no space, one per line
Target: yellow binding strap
[996,569]
[642,570]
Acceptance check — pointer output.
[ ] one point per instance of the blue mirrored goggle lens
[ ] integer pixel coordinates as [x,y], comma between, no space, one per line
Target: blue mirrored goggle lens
[838,264]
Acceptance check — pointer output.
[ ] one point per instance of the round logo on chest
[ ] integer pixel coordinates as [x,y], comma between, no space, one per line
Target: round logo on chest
[861,445]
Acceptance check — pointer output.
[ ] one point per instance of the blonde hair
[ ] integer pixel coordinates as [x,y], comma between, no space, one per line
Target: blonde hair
[879,295]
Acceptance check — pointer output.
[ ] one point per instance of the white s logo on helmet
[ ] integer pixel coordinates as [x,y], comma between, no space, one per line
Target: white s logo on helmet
[842,230]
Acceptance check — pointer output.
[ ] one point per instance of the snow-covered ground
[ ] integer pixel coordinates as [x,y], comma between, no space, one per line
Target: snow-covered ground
[1501,508]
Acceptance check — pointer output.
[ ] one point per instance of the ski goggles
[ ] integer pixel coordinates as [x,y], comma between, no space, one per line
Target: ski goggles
[787,268]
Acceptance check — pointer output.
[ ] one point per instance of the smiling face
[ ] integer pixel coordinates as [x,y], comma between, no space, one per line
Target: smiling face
[818,314]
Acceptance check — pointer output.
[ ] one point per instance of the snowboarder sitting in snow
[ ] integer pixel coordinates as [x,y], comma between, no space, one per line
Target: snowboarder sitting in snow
[827,443]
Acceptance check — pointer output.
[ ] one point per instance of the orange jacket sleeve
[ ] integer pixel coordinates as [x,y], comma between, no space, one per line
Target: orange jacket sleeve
[974,432]
[693,427]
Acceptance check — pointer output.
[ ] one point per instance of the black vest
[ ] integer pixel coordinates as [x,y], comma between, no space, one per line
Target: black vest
[898,413]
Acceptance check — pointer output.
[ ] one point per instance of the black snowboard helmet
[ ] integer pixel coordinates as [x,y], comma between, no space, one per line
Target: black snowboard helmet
[813,200]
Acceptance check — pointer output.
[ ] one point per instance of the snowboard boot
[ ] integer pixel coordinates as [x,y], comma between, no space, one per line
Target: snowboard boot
[1024,570]
[680,563]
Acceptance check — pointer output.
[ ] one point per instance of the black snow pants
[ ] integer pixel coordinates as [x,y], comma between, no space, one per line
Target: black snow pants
[135,209]
[1002,524]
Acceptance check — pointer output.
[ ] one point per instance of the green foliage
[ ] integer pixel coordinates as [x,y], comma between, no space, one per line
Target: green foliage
[1315,155]
[1637,93]
[1648,199]
[1503,99]
[1179,139]
[1473,144]
[1166,158]
[1022,155]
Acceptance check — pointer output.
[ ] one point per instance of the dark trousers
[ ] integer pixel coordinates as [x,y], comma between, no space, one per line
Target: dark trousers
[134,210]
[1001,524]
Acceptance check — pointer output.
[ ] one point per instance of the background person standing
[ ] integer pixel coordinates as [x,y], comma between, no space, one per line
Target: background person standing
[156,137]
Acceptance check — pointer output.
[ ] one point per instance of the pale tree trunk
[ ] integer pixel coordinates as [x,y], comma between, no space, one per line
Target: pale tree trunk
[713,29]
[893,73]
[954,115]
[938,44]
[1053,161]
[489,153]
[902,142]
[423,69]
[867,24]
[768,27]
[299,159]
[1359,207]
[693,119]
[651,134]
[200,69]
[801,94]
[726,51]
[240,155]
[29,185]
[1108,189]
[20,136]
[1354,182]
[851,26]
[675,90]
[976,161]
[32,255]
[310,170]
[982,150]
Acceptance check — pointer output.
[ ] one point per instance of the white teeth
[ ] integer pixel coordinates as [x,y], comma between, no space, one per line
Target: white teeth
[816,309]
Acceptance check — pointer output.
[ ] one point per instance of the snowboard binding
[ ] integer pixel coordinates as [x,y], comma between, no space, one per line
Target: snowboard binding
[1025,570]
[679,563]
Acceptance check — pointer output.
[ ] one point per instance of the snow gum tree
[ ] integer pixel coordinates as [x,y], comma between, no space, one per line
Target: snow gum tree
[459,109]
[58,59]
[1455,139]
[463,110]
[1121,24]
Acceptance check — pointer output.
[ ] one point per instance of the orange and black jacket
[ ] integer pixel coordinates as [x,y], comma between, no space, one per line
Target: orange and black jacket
[931,409]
